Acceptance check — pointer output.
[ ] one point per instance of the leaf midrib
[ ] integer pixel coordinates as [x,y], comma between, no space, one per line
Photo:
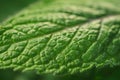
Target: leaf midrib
[77,26]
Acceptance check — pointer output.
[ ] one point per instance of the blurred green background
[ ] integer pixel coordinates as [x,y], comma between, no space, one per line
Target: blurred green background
[11,7]
[103,74]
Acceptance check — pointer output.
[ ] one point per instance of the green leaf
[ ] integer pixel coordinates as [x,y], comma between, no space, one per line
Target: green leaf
[62,37]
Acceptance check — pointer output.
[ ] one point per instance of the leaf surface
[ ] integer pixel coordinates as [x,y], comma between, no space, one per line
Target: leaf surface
[62,36]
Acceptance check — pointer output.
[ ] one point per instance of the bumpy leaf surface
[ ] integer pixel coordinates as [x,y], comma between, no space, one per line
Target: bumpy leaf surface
[62,36]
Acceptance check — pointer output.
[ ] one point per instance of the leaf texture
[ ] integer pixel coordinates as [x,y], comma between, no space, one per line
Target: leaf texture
[62,36]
